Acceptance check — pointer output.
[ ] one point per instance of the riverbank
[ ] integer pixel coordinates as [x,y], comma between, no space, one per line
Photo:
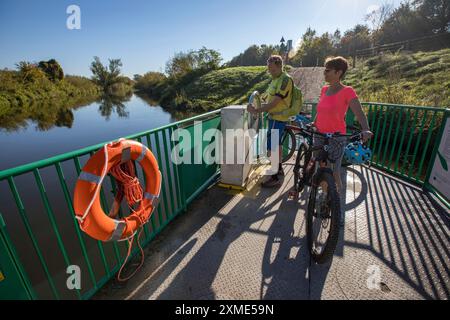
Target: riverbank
[16,94]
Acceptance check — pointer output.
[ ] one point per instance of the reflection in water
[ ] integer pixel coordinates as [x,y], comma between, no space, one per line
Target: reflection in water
[60,113]
[62,117]
[175,113]
[56,113]
[109,103]
[44,115]
[151,102]
[39,131]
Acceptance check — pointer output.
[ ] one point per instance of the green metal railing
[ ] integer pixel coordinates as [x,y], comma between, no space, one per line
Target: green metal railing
[35,250]
[404,137]
[99,261]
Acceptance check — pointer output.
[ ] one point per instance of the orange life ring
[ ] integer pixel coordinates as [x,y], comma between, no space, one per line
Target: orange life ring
[93,220]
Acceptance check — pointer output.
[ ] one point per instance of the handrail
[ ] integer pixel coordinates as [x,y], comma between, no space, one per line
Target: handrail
[430,108]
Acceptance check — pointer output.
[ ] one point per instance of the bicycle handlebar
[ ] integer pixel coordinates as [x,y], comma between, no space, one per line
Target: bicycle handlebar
[306,128]
[354,135]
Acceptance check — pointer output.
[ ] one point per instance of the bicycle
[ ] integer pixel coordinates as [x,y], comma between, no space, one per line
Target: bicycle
[323,208]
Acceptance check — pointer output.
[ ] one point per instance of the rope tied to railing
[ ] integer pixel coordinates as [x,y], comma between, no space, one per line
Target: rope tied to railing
[130,187]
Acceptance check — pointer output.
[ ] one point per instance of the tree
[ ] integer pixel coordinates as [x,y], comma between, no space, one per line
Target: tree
[403,24]
[207,59]
[181,64]
[150,82]
[201,60]
[355,39]
[435,13]
[336,39]
[313,49]
[52,69]
[29,72]
[250,57]
[265,51]
[254,56]
[105,76]
[302,57]
[377,18]
[308,37]
[321,48]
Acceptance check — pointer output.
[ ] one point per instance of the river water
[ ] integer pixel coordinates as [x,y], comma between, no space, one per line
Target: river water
[40,134]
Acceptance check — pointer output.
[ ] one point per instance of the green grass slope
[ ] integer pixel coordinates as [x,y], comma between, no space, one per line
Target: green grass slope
[421,78]
[220,88]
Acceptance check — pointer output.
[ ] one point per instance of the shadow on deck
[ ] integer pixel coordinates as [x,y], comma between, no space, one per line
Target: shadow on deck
[252,245]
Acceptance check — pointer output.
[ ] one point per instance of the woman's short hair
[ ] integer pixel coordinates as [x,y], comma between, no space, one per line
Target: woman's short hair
[337,63]
[276,59]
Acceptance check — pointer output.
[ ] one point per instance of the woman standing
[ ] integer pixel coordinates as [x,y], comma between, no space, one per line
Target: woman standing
[335,100]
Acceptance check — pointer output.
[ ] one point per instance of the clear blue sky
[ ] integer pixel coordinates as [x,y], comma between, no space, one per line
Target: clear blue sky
[145,34]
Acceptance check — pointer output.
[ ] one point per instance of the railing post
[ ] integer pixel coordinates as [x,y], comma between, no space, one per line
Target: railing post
[179,178]
[350,118]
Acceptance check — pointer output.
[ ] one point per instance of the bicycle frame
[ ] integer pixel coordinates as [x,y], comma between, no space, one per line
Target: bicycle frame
[311,170]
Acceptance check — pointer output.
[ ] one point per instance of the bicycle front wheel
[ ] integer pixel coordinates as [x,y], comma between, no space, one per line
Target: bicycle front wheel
[288,145]
[301,162]
[322,223]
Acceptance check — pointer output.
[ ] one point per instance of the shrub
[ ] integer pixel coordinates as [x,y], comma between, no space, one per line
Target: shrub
[52,69]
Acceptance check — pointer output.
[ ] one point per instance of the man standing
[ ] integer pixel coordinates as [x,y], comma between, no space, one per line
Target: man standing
[278,99]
